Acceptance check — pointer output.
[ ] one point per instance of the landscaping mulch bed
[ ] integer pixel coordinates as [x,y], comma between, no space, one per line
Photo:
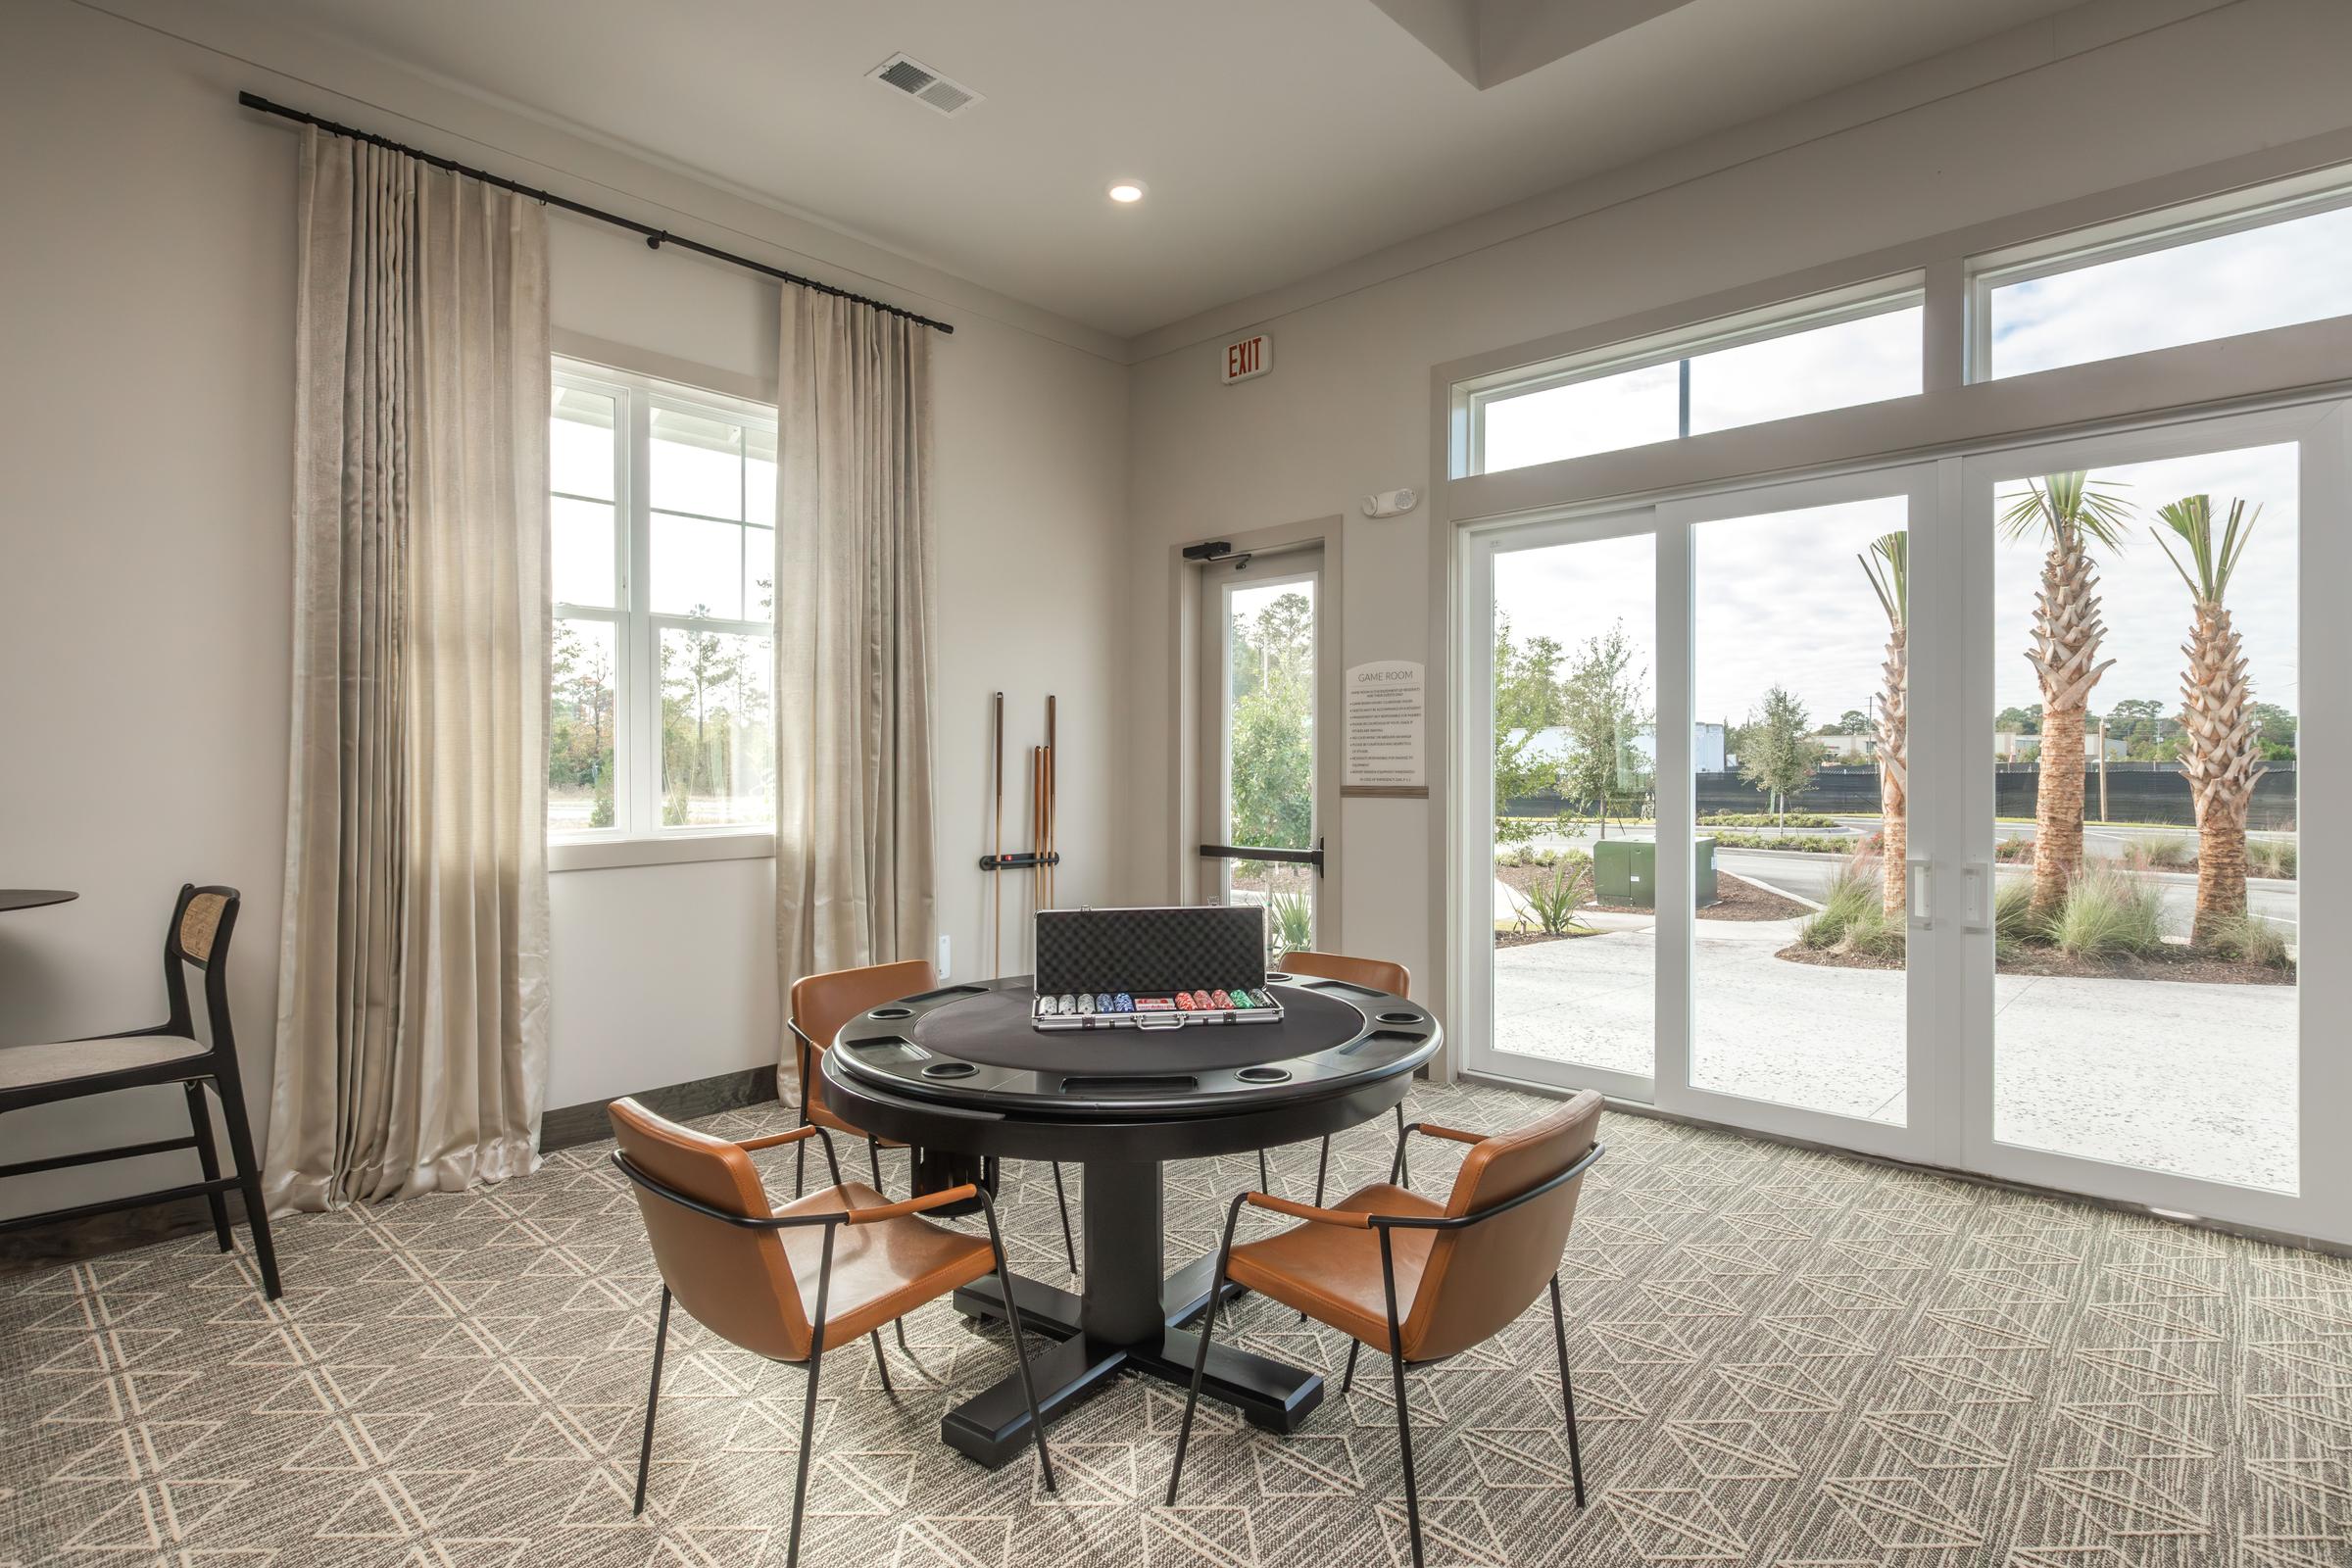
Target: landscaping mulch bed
[1738,899]
[2172,964]
[1527,939]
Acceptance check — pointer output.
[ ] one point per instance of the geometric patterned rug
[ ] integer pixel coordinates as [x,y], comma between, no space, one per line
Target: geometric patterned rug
[1783,1357]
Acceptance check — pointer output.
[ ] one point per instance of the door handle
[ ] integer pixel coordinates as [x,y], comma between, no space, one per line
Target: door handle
[1919,894]
[1975,897]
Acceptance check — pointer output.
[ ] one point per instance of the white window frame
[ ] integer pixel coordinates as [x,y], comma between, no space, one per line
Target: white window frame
[1881,296]
[2143,234]
[637,835]
[2299,374]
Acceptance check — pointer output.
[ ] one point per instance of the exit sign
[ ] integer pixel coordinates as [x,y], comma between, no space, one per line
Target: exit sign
[1250,357]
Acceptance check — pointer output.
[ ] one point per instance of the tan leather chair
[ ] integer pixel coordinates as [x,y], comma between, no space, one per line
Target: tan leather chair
[821,1005]
[1377,973]
[1419,1280]
[746,1271]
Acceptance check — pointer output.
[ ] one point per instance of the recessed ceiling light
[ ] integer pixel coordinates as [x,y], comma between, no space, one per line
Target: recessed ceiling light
[1127,190]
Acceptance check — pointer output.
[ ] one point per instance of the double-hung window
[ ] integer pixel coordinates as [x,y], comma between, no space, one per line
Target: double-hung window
[662,513]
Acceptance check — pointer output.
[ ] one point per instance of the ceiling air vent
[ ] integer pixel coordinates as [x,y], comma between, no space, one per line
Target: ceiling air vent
[923,84]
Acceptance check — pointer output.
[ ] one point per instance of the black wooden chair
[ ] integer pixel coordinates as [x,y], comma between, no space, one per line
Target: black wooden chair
[166,1054]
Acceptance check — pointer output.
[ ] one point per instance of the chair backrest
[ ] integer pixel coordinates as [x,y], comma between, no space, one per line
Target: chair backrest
[1482,1276]
[1378,973]
[822,1002]
[203,919]
[735,1280]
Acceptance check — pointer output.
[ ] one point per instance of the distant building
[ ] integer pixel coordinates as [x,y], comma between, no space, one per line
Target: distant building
[2015,746]
[1553,745]
[1842,748]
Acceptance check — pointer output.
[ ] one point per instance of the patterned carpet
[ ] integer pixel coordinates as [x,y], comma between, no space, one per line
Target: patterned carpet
[1782,1357]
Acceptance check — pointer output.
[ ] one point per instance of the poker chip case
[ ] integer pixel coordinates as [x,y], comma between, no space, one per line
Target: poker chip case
[1167,967]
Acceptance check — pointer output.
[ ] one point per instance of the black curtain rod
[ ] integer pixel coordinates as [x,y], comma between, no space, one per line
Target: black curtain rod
[655,238]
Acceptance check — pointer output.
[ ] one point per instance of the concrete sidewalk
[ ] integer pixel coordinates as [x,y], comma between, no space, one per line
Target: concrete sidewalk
[2197,1079]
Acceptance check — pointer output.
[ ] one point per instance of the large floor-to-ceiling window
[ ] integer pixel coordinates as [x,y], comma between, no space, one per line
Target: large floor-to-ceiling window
[1963,799]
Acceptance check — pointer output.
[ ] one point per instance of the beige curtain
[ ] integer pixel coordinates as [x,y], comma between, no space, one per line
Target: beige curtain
[853,653]
[411,1028]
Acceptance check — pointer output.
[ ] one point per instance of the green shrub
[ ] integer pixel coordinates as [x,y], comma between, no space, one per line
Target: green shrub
[2164,853]
[1765,819]
[2110,912]
[2250,938]
[1853,915]
[1291,922]
[2275,857]
[1798,843]
[1555,899]
[2014,849]
[2013,922]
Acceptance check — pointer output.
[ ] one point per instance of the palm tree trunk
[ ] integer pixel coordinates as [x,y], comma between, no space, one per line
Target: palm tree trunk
[2057,810]
[2221,762]
[1894,774]
[2067,634]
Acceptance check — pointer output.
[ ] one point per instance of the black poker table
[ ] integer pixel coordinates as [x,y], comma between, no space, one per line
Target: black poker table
[962,1070]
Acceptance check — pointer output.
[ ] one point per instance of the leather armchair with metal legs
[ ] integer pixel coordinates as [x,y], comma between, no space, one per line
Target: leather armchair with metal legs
[1380,975]
[737,1265]
[821,1005]
[1422,1281]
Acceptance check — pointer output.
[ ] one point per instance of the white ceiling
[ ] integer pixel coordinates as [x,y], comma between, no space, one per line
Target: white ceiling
[1278,137]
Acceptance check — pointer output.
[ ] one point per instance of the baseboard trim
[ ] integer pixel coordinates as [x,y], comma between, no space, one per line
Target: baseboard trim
[75,1240]
[570,1126]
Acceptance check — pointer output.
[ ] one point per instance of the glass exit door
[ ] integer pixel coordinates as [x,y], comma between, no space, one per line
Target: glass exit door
[1261,641]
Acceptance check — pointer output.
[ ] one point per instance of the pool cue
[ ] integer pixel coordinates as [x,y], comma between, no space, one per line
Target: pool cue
[1051,784]
[997,877]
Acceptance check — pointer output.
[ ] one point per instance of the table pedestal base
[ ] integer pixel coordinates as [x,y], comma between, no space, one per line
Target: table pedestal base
[1128,1318]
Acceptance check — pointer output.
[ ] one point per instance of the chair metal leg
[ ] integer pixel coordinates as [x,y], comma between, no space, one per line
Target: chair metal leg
[249,1183]
[200,1122]
[1354,1346]
[1404,1169]
[1265,1182]
[1020,1345]
[1208,1326]
[832,1159]
[1061,1201]
[1559,1335]
[1405,1425]
[897,1326]
[1322,1168]
[653,1401]
[799,1167]
[880,1365]
[874,1158]
[816,1360]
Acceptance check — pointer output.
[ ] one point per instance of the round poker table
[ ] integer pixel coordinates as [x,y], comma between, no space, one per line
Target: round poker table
[963,1069]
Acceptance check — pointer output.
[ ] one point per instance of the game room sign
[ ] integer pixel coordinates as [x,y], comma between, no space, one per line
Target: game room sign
[1249,359]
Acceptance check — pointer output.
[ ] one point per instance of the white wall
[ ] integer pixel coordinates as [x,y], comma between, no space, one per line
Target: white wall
[145,558]
[2094,99]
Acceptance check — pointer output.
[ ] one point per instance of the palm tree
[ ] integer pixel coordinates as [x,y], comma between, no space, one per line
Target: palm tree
[2074,515]
[1887,565]
[2221,747]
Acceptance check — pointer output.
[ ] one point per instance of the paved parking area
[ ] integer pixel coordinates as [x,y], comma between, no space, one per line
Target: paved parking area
[2196,1079]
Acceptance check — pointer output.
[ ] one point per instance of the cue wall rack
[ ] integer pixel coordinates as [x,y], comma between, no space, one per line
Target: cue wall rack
[1041,859]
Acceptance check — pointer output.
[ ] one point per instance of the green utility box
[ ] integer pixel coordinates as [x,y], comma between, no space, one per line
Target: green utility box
[1626,871]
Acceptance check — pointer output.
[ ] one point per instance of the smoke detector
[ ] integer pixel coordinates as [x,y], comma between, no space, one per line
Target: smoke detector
[924,85]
